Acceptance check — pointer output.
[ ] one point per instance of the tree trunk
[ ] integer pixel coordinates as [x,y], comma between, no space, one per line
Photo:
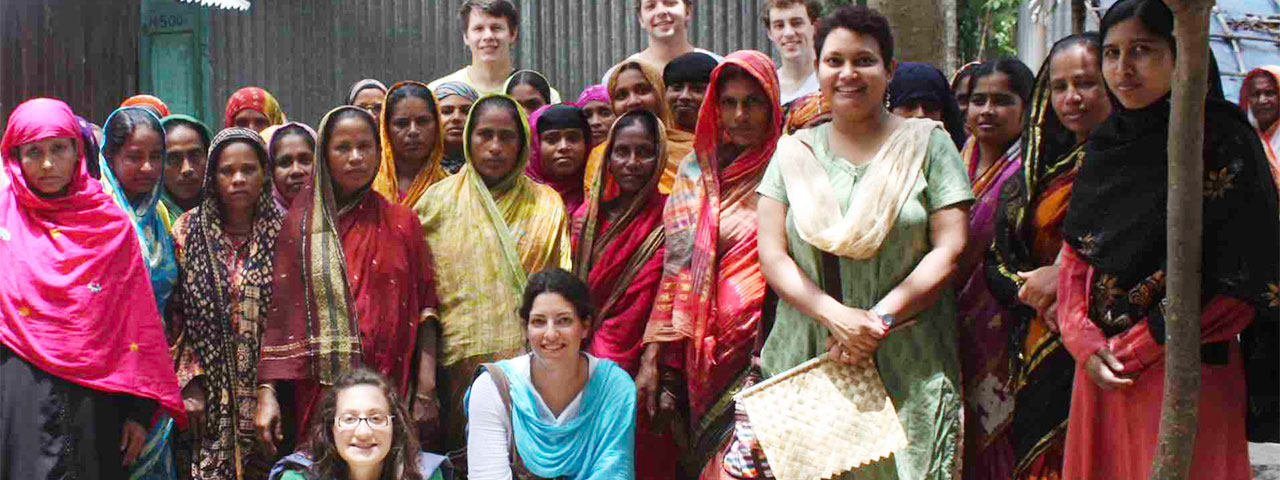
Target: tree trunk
[1178,419]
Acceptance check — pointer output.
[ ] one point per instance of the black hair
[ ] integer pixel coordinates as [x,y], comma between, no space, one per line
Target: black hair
[862,20]
[485,104]
[642,117]
[731,72]
[122,125]
[532,79]
[1055,140]
[557,281]
[494,8]
[1021,80]
[344,114]
[288,131]
[409,90]
[1154,15]
[204,136]
[401,462]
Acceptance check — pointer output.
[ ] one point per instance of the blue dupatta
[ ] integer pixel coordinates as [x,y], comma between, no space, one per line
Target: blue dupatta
[598,444]
[148,223]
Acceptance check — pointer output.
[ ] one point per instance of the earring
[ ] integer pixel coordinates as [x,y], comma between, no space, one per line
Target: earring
[888,100]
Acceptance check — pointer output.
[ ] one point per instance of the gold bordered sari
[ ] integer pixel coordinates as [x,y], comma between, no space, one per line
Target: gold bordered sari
[387,181]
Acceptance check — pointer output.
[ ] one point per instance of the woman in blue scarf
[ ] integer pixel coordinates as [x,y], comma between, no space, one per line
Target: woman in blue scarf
[132,165]
[570,414]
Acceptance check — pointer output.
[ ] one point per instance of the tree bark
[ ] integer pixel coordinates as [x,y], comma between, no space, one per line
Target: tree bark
[1178,419]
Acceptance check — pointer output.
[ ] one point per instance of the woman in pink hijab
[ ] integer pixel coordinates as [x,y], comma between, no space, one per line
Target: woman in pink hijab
[83,357]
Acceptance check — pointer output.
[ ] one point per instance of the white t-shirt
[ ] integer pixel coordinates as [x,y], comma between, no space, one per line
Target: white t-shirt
[488,421]
[463,75]
[809,85]
[605,81]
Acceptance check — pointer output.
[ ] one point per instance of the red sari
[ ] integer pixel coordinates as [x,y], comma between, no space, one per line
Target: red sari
[361,308]
[621,261]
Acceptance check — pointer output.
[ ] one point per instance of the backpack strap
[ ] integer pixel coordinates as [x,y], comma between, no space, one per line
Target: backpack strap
[499,376]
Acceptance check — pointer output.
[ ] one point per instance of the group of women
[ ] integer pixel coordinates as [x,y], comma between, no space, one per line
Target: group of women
[578,290]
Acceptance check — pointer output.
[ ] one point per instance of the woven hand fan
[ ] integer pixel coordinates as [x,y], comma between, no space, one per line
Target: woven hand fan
[823,418]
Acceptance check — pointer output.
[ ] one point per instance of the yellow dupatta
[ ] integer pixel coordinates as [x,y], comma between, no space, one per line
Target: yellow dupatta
[485,241]
[679,142]
[387,183]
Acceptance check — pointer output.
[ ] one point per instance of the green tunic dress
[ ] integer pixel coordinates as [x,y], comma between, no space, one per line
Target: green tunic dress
[919,364]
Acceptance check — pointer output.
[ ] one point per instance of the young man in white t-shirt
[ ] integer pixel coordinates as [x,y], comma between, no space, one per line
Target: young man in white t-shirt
[790,25]
[666,23]
[490,28]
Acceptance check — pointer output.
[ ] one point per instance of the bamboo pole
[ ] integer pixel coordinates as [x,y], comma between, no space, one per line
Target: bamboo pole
[1178,418]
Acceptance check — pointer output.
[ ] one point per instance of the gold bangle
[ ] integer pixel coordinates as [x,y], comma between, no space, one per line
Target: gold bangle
[267,386]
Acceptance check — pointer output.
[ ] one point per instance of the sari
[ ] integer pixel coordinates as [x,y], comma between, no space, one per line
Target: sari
[336,266]
[679,142]
[564,116]
[1038,371]
[269,137]
[363,85]
[983,321]
[148,222]
[1270,140]
[621,263]
[1112,283]
[387,182]
[711,296]
[806,112]
[453,162]
[223,298]
[73,267]
[487,240]
[156,105]
[171,208]
[256,99]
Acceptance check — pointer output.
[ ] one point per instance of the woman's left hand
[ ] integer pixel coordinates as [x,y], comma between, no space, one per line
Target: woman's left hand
[131,439]
[1040,289]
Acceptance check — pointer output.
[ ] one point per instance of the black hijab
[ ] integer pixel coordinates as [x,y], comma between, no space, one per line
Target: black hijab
[914,81]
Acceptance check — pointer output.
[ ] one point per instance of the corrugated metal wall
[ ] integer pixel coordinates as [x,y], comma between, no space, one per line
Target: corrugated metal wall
[84,52]
[309,52]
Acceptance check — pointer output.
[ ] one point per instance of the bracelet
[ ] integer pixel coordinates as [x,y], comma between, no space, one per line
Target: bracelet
[267,386]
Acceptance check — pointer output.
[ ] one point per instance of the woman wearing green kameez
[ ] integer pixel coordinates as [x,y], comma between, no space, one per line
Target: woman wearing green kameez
[884,200]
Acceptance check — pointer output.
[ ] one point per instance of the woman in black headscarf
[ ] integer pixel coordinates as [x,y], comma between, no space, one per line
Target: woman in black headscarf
[1112,275]
[920,91]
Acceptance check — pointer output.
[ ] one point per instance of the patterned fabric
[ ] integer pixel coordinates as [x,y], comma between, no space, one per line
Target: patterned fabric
[712,291]
[156,105]
[456,88]
[69,302]
[148,222]
[593,93]
[256,99]
[806,112]
[387,181]
[679,142]
[353,282]
[487,240]
[225,295]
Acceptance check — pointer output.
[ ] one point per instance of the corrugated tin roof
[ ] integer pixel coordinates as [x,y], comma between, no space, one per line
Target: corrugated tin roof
[226,4]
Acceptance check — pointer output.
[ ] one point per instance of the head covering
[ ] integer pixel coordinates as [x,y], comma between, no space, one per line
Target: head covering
[156,105]
[653,76]
[90,142]
[148,220]
[444,90]
[69,301]
[679,142]
[593,93]
[598,444]
[914,81]
[209,300]
[269,137]
[172,209]
[252,98]
[691,67]
[553,117]
[327,317]
[692,217]
[481,264]
[1269,138]
[387,181]
[618,259]
[962,72]
[360,86]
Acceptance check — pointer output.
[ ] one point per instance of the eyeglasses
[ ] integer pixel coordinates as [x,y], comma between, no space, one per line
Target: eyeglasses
[376,421]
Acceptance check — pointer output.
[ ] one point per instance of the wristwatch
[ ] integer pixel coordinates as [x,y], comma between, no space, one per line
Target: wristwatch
[885,318]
